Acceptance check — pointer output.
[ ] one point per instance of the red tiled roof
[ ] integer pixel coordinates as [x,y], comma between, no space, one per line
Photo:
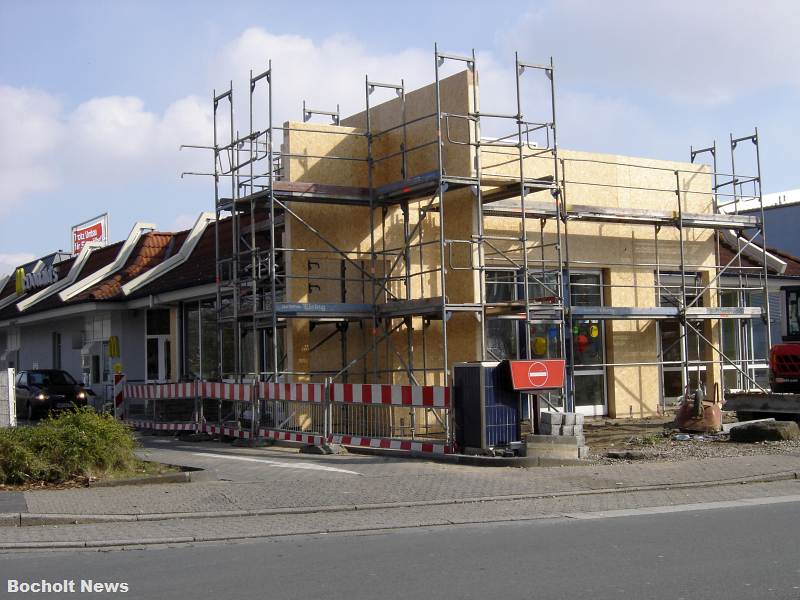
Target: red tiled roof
[150,251]
[200,268]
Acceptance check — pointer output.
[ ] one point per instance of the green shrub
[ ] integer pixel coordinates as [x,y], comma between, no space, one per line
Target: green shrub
[72,444]
[18,462]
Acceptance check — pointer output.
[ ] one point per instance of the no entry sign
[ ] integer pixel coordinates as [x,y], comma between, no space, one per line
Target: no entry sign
[537,374]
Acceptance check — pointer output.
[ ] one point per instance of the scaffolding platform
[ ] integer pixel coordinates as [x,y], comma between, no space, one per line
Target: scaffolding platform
[632,216]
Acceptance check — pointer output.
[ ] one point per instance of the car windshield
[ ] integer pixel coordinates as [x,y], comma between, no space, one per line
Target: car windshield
[50,378]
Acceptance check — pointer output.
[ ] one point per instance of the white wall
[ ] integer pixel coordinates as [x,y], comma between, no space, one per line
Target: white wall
[129,326]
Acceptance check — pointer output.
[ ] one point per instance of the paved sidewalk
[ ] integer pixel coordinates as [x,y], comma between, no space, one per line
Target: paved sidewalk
[264,481]
[226,529]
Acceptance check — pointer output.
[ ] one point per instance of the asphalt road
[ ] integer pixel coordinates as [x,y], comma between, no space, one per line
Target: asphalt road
[725,553]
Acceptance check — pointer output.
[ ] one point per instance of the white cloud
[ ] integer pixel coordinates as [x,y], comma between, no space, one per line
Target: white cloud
[31,132]
[103,140]
[115,139]
[611,62]
[324,73]
[702,53]
[9,262]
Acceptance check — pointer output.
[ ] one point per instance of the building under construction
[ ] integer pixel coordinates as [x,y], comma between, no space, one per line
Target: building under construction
[389,245]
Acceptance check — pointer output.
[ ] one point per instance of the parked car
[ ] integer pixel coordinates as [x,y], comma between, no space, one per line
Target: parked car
[42,390]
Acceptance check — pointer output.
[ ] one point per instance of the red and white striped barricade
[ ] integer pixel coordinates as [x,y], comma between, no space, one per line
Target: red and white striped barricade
[119,396]
[227,409]
[293,412]
[409,418]
[168,406]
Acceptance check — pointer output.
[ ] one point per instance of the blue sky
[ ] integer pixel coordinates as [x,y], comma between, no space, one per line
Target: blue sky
[95,97]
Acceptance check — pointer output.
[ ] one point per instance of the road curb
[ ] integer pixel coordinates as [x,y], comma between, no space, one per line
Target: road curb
[29,519]
[185,475]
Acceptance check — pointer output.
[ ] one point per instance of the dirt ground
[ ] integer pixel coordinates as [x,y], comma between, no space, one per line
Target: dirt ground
[653,439]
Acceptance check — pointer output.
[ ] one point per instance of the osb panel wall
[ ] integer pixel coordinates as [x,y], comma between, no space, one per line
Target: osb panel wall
[387,117]
[314,273]
[619,182]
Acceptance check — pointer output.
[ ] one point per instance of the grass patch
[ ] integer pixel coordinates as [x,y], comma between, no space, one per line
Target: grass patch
[73,445]
[650,439]
[143,468]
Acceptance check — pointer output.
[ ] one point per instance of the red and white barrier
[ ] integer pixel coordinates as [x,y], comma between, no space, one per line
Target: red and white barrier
[291,436]
[226,431]
[242,392]
[298,392]
[317,393]
[119,394]
[175,426]
[395,395]
[160,391]
[391,444]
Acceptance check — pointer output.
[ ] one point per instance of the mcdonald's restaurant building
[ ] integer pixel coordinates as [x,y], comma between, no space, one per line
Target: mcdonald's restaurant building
[121,307]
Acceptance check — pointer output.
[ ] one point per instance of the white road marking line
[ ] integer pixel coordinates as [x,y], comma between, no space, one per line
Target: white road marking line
[274,463]
[656,510]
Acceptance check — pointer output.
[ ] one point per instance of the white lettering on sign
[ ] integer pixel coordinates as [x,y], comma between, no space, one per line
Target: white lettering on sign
[95,230]
[40,279]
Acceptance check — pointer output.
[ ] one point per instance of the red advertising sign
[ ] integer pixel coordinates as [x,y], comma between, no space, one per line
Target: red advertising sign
[94,230]
[537,374]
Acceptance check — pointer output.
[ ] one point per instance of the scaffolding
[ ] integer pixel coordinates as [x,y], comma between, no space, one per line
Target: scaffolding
[524,275]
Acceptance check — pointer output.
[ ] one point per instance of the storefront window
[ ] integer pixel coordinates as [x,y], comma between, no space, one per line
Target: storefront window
[200,340]
[744,342]
[671,342]
[504,335]
[158,321]
[209,340]
[793,313]
[588,345]
[191,340]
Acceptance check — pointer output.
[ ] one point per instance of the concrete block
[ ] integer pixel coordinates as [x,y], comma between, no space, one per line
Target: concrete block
[548,429]
[583,451]
[553,451]
[556,440]
[551,418]
[572,419]
[572,430]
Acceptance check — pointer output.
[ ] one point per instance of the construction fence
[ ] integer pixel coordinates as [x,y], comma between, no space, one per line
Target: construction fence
[396,417]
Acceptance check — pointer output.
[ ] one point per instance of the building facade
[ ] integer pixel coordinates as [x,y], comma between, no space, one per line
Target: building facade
[395,243]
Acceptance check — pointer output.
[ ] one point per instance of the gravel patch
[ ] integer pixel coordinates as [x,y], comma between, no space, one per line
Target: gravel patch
[696,448]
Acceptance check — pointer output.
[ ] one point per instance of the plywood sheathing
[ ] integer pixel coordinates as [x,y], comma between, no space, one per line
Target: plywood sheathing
[348,229]
[626,254]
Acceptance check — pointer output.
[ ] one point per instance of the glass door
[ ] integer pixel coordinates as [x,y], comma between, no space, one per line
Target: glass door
[158,356]
[588,346]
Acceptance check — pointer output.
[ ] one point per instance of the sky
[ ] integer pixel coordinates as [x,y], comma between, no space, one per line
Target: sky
[96,96]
